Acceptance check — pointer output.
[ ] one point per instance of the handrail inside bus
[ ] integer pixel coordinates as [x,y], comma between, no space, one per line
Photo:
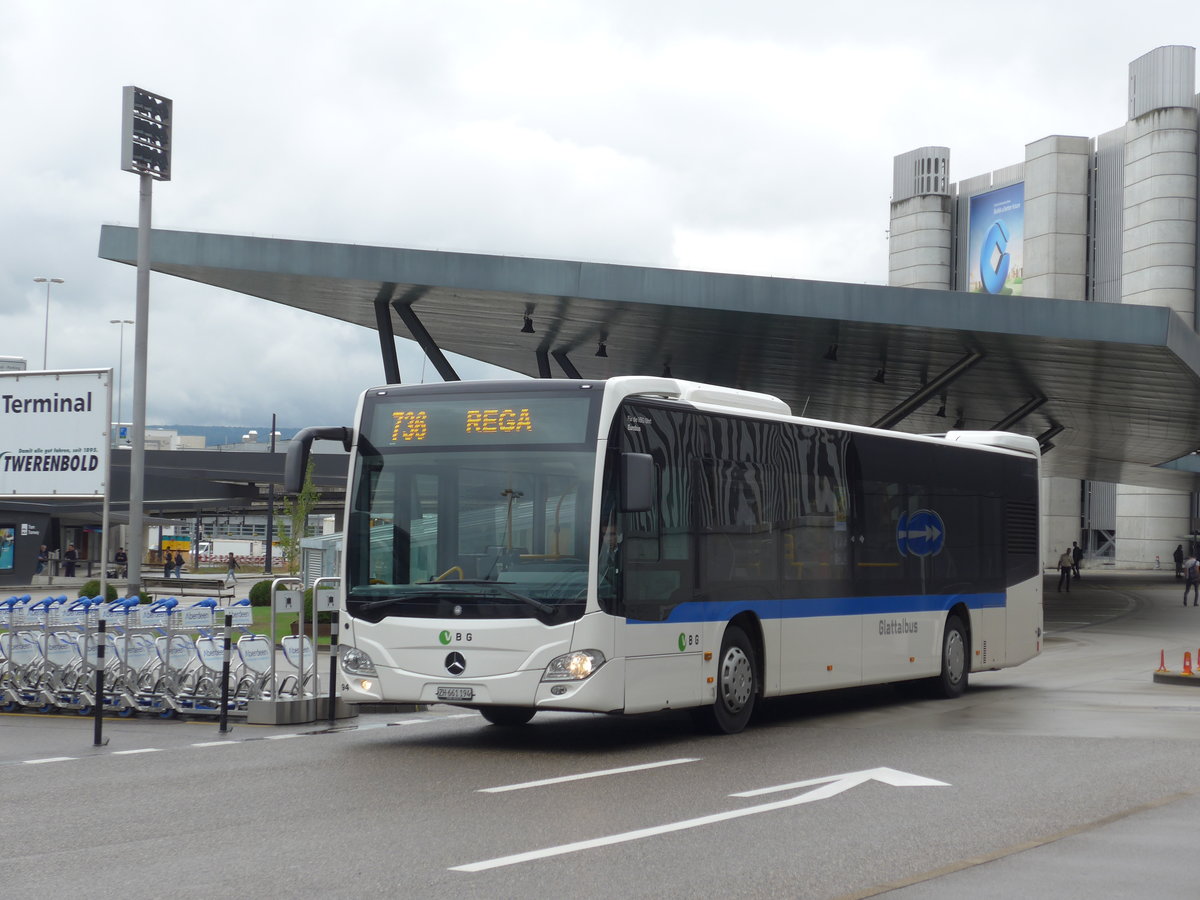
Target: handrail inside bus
[300,448]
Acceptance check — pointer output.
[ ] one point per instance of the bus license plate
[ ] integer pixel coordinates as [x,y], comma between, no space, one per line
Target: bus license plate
[455,693]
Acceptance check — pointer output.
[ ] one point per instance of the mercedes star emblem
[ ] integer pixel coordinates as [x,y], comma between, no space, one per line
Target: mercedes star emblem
[456,664]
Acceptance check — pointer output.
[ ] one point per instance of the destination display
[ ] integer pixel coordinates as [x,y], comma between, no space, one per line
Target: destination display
[479,420]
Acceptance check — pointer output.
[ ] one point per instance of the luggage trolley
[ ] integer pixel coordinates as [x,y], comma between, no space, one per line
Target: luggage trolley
[27,650]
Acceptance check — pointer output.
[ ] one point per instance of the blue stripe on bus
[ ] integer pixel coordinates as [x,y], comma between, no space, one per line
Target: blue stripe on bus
[724,610]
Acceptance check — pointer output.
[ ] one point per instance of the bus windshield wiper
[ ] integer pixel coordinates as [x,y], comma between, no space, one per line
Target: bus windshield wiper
[544,608]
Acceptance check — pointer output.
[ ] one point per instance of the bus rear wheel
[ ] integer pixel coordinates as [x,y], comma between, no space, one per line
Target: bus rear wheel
[737,686]
[952,681]
[509,716]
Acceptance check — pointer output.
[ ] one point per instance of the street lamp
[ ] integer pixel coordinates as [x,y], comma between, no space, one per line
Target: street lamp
[121,365]
[46,336]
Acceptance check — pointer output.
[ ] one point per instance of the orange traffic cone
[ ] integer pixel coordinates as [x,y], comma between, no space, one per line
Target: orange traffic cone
[1162,660]
[1187,663]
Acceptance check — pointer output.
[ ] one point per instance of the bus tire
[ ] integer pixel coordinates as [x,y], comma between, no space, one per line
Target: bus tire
[507,716]
[952,681]
[737,685]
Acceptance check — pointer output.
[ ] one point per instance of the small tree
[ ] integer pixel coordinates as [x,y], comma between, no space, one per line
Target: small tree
[297,510]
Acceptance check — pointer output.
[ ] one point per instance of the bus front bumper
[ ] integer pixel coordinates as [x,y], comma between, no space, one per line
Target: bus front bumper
[602,691]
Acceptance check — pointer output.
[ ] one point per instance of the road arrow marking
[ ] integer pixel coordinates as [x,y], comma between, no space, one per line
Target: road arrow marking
[838,783]
[833,785]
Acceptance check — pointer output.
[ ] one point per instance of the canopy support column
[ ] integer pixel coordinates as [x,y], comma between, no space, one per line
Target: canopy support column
[387,337]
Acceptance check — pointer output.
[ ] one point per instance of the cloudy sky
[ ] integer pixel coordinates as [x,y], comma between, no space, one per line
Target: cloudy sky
[750,137]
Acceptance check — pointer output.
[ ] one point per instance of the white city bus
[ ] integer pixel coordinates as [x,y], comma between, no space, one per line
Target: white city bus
[639,544]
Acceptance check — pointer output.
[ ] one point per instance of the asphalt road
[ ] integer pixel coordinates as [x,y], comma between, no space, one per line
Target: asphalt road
[1071,776]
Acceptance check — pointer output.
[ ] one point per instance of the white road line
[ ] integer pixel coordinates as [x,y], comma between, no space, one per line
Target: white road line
[280,737]
[131,752]
[35,762]
[216,744]
[629,836]
[580,777]
[407,722]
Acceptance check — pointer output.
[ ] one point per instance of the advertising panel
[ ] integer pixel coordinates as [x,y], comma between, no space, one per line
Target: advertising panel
[8,539]
[54,433]
[996,245]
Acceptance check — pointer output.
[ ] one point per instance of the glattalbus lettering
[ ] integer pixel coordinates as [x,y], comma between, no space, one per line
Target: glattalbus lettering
[897,626]
[49,462]
[55,404]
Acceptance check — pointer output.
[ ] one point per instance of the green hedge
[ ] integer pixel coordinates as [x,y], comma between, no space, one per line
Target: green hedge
[260,594]
[92,589]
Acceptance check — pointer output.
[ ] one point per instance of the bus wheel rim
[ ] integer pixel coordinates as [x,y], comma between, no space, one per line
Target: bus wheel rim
[956,655]
[737,680]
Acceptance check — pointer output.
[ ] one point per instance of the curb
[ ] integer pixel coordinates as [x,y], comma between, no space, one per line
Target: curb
[1176,678]
[390,707]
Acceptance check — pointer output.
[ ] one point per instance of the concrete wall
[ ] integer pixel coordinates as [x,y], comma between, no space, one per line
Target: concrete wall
[1158,261]
[1056,217]
[1150,522]
[1060,517]
[919,242]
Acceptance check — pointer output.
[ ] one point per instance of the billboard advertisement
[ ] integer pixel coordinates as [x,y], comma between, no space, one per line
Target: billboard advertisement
[996,245]
[54,433]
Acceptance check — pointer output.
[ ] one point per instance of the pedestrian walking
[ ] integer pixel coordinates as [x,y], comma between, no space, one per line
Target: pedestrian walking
[178,564]
[1191,579]
[1076,556]
[1178,554]
[231,565]
[43,560]
[168,564]
[121,561]
[1065,563]
[69,561]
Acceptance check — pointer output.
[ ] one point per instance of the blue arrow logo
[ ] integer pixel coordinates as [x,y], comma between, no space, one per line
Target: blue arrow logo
[994,259]
[921,534]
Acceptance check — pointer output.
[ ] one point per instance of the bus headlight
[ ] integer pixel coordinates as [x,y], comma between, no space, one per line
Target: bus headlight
[574,666]
[355,662]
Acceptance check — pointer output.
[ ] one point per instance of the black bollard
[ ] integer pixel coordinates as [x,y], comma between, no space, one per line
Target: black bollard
[98,709]
[224,719]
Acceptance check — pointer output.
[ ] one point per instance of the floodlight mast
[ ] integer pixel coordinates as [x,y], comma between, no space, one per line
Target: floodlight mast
[145,150]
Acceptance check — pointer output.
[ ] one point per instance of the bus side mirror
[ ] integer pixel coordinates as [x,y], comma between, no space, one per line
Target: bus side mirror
[637,482]
[296,463]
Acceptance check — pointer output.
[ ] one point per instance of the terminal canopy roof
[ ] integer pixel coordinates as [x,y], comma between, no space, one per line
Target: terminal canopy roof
[1110,390]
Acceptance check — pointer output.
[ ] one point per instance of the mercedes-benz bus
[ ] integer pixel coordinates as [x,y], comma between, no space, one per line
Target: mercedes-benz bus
[639,544]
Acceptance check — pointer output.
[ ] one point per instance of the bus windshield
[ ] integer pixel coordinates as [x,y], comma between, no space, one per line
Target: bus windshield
[463,525]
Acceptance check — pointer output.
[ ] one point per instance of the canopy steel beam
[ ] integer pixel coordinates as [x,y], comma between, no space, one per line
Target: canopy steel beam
[403,307]
[560,356]
[928,391]
[1018,414]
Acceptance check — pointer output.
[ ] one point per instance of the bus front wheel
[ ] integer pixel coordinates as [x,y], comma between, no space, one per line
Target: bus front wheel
[737,685]
[952,681]
[507,715]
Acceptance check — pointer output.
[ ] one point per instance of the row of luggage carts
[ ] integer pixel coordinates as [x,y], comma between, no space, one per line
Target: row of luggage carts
[162,658]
